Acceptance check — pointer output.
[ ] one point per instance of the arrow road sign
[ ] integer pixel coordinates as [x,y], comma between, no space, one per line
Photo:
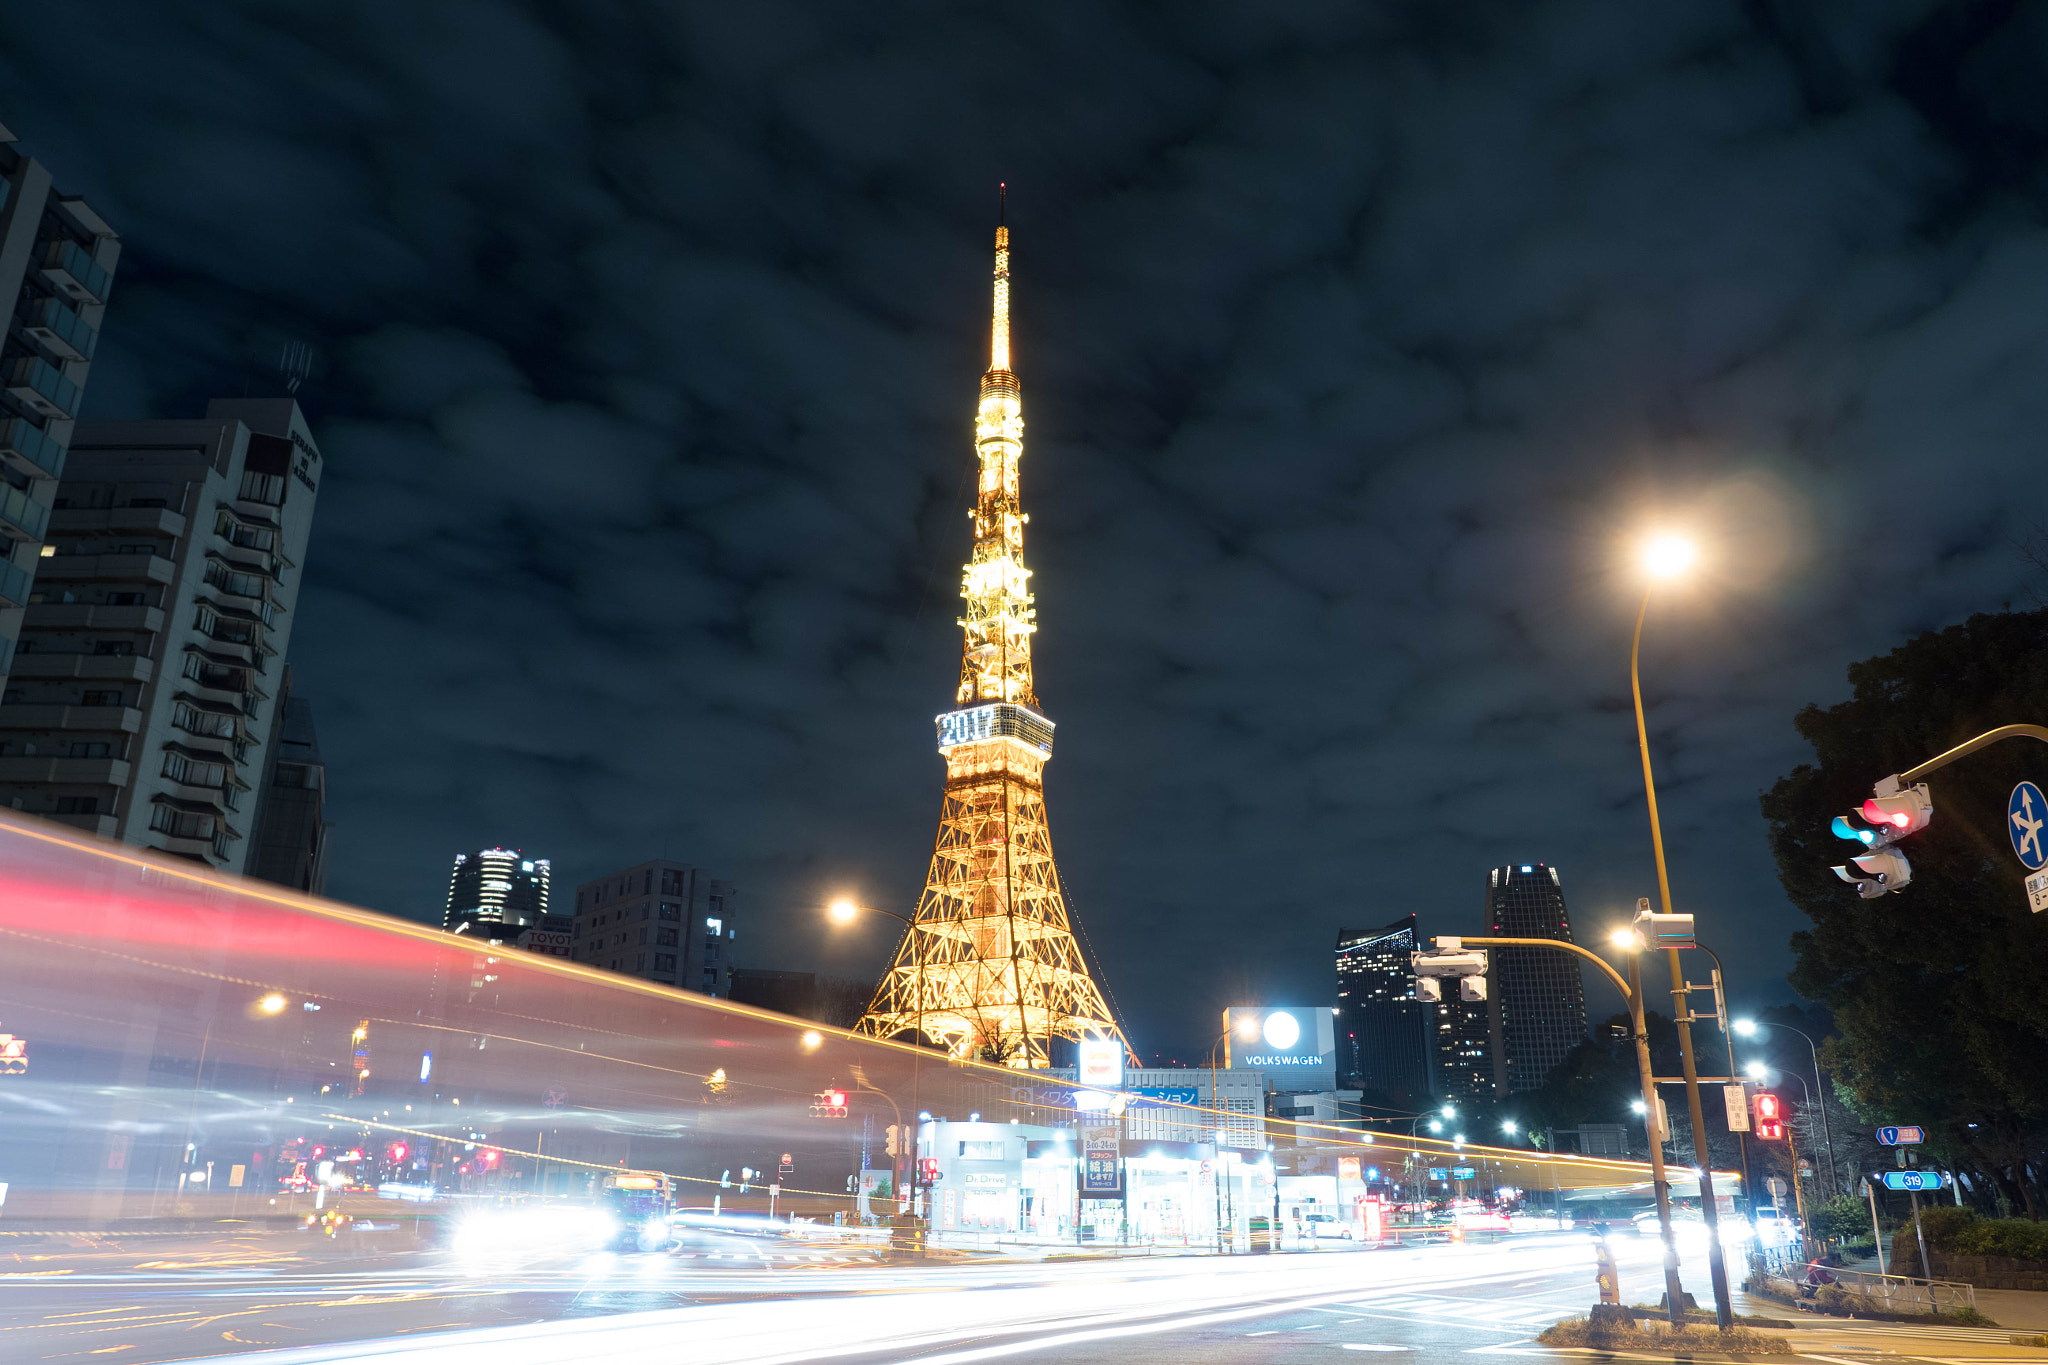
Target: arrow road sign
[1913,1180]
[1901,1137]
[2026,812]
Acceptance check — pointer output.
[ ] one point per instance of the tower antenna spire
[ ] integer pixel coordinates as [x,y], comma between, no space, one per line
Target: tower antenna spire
[999,328]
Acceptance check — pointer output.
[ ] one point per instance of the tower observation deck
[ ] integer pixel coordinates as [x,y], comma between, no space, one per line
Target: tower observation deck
[990,968]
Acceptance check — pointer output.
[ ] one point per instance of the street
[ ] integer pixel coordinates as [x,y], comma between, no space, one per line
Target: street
[740,1299]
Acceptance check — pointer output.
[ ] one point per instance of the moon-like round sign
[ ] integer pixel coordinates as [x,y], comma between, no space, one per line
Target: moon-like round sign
[1282,1032]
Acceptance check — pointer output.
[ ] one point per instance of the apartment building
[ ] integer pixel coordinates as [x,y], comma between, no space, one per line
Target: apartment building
[57,260]
[664,921]
[152,648]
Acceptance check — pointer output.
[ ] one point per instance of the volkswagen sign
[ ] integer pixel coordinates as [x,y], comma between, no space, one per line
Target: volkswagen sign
[1295,1046]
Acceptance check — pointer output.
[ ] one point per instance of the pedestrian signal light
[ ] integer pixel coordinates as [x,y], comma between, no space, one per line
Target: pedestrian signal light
[1769,1113]
[1874,873]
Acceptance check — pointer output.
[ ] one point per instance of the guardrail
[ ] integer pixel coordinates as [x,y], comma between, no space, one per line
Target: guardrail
[1885,1293]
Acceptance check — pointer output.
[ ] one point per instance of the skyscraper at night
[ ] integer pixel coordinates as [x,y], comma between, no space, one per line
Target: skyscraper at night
[1467,1061]
[1538,1000]
[1384,1034]
[989,966]
[497,886]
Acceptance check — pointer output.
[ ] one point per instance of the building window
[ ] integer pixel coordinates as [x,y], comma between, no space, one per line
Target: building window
[78,805]
[124,599]
[714,927]
[119,648]
[89,750]
[665,938]
[671,911]
[671,882]
[263,488]
[103,699]
[711,951]
[664,962]
[208,723]
[181,824]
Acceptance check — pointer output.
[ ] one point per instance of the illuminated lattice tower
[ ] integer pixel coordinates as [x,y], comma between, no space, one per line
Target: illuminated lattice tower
[990,968]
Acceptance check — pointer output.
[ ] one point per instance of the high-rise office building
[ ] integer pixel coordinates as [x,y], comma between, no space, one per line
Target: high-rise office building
[141,702]
[496,887]
[664,921]
[1465,1066]
[1538,1000]
[57,263]
[1385,1036]
[288,842]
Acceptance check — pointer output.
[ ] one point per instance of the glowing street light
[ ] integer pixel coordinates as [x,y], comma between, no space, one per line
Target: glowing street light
[1436,1125]
[1756,1071]
[272,1003]
[1508,1126]
[811,1039]
[1668,556]
[1625,939]
[1638,1107]
[1449,1112]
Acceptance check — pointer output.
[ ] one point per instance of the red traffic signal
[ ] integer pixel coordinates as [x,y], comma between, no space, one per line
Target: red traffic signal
[830,1104]
[490,1158]
[1769,1114]
[397,1151]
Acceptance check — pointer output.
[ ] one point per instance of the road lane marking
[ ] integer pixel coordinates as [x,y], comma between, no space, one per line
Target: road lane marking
[1364,1346]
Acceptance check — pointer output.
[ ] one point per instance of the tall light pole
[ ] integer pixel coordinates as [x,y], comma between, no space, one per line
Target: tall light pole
[1747,1028]
[1631,990]
[1664,558]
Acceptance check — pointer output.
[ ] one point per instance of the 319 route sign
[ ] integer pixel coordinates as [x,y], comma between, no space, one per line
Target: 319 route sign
[1901,1137]
[1913,1180]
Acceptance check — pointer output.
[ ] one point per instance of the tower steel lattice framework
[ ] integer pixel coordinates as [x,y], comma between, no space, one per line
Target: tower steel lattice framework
[989,967]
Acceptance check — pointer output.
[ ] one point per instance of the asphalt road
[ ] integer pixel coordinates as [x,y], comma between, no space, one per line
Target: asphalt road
[738,1299]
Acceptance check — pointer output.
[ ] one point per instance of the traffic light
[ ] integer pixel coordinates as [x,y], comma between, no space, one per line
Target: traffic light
[1880,822]
[896,1139]
[1768,1112]
[1447,960]
[928,1170]
[830,1104]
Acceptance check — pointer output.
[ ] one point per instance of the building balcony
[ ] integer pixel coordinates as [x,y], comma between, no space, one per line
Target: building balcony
[70,269]
[30,449]
[58,330]
[28,716]
[14,585]
[88,616]
[118,520]
[109,568]
[97,667]
[102,825]
[73,772]
[21,516]
[41,387]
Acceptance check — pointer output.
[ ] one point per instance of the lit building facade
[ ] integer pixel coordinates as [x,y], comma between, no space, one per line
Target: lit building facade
[662,921]
[142,702]
[497,887]
[1465,1055]
[1538,999]
[1385,1036]
[57,260]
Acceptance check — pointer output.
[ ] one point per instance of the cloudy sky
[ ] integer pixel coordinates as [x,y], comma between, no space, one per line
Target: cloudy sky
[1359,343]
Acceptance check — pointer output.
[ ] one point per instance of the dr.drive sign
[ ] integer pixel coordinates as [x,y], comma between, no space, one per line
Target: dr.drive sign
[1296,1046]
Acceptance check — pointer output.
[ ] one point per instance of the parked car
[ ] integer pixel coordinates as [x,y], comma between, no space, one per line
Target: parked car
[1321,1225]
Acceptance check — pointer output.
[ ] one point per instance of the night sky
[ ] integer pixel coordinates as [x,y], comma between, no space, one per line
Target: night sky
[1359,344]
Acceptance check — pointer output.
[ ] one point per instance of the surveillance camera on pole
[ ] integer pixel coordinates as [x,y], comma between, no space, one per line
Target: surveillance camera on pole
[1663,931]
[1887,817]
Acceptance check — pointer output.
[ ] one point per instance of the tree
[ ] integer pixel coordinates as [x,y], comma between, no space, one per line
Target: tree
[1934,991]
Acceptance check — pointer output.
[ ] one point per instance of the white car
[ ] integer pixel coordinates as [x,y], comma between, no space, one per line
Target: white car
[1320,1225]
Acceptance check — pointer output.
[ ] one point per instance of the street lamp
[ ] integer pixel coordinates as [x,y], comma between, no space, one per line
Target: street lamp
[272,1003]
[1747,1028]
[845,910]
[1666,557]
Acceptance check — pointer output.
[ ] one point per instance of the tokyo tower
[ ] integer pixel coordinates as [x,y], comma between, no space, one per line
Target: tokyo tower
[989,967]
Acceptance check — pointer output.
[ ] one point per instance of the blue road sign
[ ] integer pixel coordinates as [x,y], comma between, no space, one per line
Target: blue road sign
[1439,1173]
[1901,1137]
[2025,814]
[1913,1180]
[1463,1173]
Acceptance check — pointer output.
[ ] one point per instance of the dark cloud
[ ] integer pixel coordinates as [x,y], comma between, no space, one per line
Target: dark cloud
[1355,342]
